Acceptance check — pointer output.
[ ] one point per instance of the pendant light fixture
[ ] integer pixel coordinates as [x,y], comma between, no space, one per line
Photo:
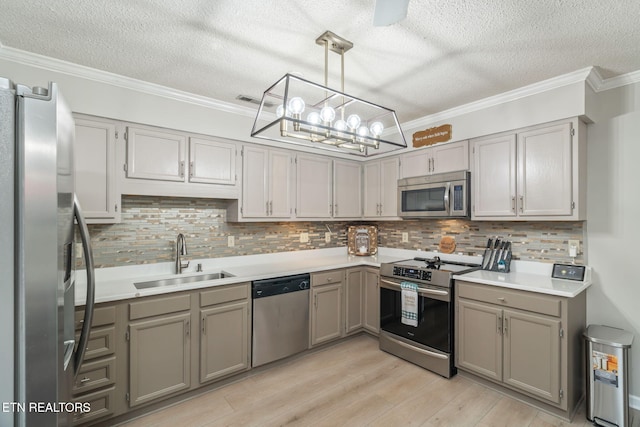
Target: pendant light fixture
[298,111]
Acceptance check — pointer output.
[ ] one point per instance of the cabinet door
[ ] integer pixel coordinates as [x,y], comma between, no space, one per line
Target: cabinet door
[224,340]
[532,354]
[544,171]
[254,182]
[347,189]
[212,162]
[280,184]
[494,177]
[372,189]
[479,339]
[95,159]
[159,357]
[326,313]
[371,317]
[450,157]
[155,155]
[353,300]
[389,187]
[415,163]
[313,177]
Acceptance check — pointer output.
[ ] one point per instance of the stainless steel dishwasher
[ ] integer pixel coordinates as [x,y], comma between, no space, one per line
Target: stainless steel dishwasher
[280,317]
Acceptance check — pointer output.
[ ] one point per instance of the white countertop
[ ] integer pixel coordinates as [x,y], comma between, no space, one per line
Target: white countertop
[530,276]
[117,283]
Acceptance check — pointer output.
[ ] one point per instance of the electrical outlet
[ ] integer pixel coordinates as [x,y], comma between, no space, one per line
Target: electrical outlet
[573,247]
[327,237]
[405,237]
[231,241]
[304,237]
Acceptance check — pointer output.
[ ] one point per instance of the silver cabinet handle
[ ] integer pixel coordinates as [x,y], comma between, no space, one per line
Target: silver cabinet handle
[181,169]
[336,209]
[380,212]
[192,169]
[188,328]
[521,203]
[513,204]
[505,321]
[85,380]
[204,325]
[271,207]
[267,208]
[499,325]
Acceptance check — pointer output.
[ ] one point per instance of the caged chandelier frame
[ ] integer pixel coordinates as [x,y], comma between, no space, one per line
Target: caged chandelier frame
[298,111]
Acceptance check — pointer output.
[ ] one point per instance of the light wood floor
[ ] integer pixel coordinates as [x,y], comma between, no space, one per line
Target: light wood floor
[352,383]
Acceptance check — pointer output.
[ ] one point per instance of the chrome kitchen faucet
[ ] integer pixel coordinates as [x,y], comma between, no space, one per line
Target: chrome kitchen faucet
[181,250]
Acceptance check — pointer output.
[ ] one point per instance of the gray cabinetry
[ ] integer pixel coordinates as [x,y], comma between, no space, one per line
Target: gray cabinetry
[326,306]
[371,300]
[224,331]
[159,347]
[523,341]
[354,291]
[96,380]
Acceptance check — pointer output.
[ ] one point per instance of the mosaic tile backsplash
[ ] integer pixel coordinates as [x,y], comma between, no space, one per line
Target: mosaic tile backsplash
[147,234]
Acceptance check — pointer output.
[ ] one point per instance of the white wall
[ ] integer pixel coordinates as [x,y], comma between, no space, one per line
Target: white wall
[613,217]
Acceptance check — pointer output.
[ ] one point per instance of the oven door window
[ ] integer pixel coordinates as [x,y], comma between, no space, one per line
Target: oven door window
[434,320]
[424,200]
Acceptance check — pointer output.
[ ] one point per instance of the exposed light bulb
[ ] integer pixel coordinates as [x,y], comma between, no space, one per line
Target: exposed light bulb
[340,125]
[313,118]
[363,131]
[353,121]
[280,111]
[376,128]
[296,105]
[327,114]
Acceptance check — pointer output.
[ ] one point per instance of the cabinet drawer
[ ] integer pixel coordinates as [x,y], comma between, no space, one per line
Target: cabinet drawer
[101,342]
[100,403]
[530,301]
[155,306]
[224,294]
[101,316]
[94,375]
[326,277]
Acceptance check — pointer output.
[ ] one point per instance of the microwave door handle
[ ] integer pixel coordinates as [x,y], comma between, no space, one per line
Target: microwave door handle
[446,198]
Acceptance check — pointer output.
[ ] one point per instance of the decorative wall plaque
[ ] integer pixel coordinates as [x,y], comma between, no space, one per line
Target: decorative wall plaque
[432,136]
[447,245]
[362,240]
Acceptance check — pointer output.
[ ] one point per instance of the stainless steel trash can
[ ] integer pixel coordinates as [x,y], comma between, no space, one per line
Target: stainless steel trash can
[608,375]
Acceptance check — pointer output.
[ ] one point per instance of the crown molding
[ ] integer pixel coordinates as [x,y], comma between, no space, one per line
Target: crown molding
[69,68]
[492,101]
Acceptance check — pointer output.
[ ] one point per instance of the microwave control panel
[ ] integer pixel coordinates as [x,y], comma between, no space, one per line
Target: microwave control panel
[412,273]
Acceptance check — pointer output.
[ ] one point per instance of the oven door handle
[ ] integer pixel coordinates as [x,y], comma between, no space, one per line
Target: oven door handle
[422,291]
[421,350]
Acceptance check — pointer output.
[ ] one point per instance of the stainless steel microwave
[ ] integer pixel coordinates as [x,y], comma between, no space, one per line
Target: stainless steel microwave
[436,196]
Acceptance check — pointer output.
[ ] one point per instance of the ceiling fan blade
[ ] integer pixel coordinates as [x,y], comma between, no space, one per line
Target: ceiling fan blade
[389,12]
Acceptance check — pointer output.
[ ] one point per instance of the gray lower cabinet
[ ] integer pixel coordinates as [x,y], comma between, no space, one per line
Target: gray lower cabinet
[354,291]
[159,348]
[224,332]
[523,341]
[371,300]
[326,306]
[96,379]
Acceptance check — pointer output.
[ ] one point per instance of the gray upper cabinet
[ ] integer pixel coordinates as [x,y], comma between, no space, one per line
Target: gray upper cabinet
[439,158]
[211,161]
[157,155]
[347,189]
[381,188]
[95,169]
[536,173]
[314,184]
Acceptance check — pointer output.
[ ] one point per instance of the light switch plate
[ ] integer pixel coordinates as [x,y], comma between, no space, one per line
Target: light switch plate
[327,237]
[405,237]
[231,241]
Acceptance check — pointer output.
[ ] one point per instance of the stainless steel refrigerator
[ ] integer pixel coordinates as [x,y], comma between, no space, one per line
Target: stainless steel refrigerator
[40,351]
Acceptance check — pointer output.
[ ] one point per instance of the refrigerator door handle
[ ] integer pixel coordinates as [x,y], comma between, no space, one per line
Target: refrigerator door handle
[91,287]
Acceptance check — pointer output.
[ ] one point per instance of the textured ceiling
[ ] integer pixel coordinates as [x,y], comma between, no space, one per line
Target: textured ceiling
[444,54]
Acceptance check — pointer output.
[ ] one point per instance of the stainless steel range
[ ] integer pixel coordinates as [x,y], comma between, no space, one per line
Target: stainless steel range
[430,343]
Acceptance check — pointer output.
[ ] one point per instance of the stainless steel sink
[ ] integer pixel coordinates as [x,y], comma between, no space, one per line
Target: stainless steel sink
[182,280]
